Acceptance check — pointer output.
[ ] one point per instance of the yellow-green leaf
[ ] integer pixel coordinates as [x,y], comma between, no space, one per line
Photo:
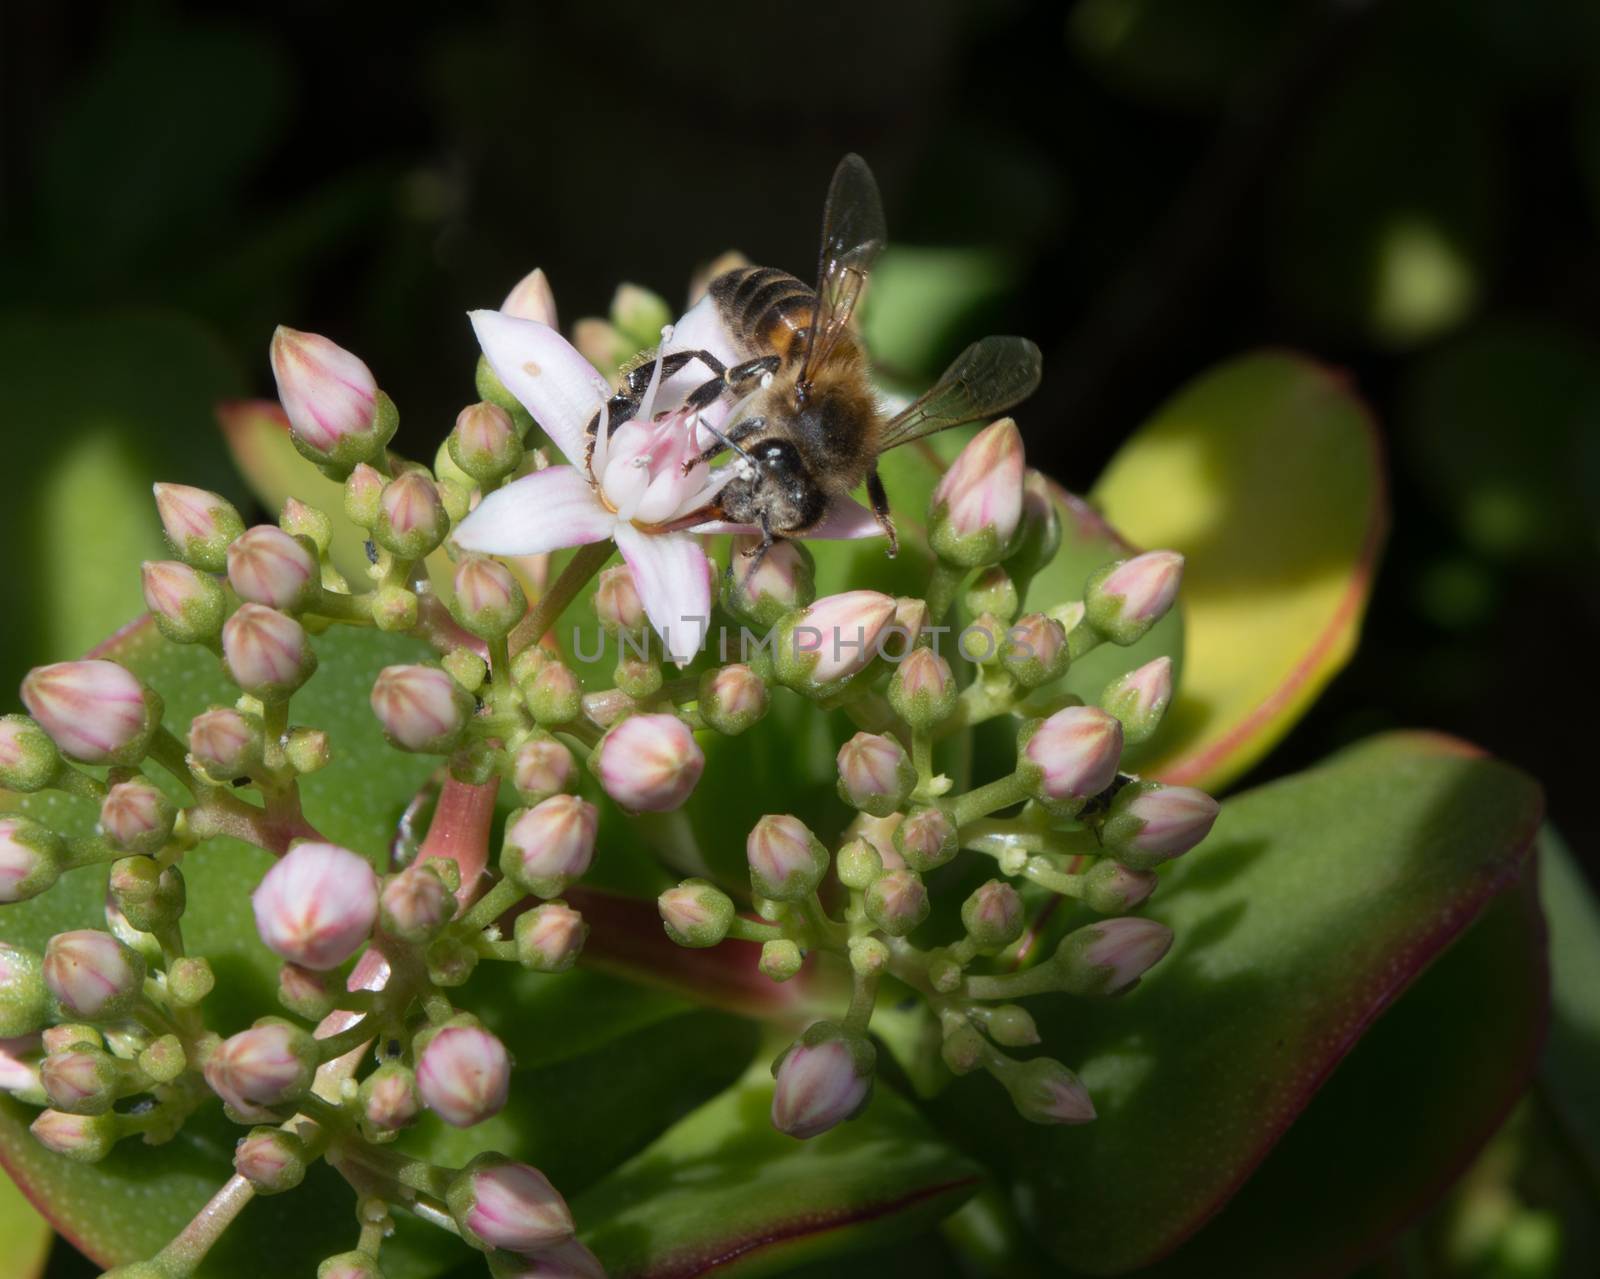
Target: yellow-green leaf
[24,1234]
[1265,473]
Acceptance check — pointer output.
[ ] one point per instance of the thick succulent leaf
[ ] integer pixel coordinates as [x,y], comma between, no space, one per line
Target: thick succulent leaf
[257,434]
[24,1234]
[1265,474]
[100,407]
[559,1027]
[1570,1070]
[1402,1092]
[925,303]
[1315,902]
[723,1190]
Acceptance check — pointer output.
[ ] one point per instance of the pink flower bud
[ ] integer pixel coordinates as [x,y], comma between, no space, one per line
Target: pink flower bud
[19,1066]
[833,639]
[388,1097]
[267,566]
[416,903]
[1074,753]
[550,937]
[85,1138]
[188,605]
[732,699]
[553,695]
[270,1159]
[300,520]
[345,1265]
[977,504]
[926,839]
[1139,699]
[225,743]
[910,621]
[648,763]
[266,652]
[485,443]
[499,1203]
[823,1079]
[542,767]
[24,995]
[1149,823]
[875,774]
[1109,957]
[923,689]
[616,601]
[95,711]
[488,600]
[92,974]
[421,708]
[31,858]
[330,398]
[271,1063]
[463,1075]
[1124,600]
[1046,1092]
[136,816]
[550,845]
[532,299]
[695,913]
[1109,888]
[1034,650]
[81,1081]
[29,760]
[897,901]
[411,516]
[763,588]
[993,915]
[199,525]
[316,905]
[787,861]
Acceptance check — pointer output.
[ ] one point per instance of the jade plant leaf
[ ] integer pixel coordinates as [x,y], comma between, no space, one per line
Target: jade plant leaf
[1572,1059]
[24,1235]
[722,1189]
[1265,474]
[1314,904]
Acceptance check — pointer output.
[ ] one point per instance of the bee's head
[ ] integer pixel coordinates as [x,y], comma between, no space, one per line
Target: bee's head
[776,484]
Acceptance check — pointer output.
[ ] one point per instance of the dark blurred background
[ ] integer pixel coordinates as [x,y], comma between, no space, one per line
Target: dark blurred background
[1407,189]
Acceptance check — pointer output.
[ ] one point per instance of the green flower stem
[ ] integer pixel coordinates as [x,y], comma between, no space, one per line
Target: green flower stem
[1005,987]
[754,930]
[182,1257]
[1000,836]
[584,564]
[220,813]
[72,782]
[171,754]
[350,1037]
[494,903]
[825,933]
[863,997]
[487,949]
[1046,875]
[86,850]
[671,837]
[437,1007]
[342,607]
[992,694]
[986,799]
[942,587]
[500,671]
[922,758]
[1082,639]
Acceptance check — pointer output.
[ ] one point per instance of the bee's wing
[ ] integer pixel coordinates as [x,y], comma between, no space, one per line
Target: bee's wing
[853,235]
[990,375]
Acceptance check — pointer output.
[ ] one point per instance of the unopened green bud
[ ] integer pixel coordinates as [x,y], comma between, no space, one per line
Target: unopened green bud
[29,760]
[450,961]
[299,520]
[272,1160]
[639,314]
[926,839]
[897,902]
[1139,699]
[858,864]
[963,1050]
[163,1060]
[150,897]
[993,592]
[363,492]
[993,916]
[732,699]
[781,959]
[1011,1026]
[1039,534]
[189,980]
[466,668]
[307,750]
[923,689]
[32,858]
[553,696]
[638,677]
[394,608]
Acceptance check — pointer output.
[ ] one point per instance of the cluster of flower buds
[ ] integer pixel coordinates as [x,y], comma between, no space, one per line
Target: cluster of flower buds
[106,1027]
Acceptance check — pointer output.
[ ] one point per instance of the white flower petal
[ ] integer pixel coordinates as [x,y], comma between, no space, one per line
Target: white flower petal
[546,373]
[700,329]
[846,520]
[549,509]
[673,579]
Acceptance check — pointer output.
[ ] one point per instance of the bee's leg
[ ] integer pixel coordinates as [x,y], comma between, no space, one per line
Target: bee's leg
[625,403]
[733,379]
[732,439]
[880,508]
[758,553]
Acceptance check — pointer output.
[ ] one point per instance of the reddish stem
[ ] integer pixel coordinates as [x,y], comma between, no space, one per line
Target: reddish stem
[459,831]
[626,938]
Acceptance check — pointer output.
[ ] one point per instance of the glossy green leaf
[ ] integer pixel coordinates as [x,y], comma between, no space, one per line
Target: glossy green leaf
[723,1189]
[1571,1064]
[98,407]
[24,1235]
[926,302]
[1402,1092]
[1314,904]
[1265,474]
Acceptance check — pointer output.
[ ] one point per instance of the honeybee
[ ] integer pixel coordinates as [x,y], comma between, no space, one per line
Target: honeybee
[807,426]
